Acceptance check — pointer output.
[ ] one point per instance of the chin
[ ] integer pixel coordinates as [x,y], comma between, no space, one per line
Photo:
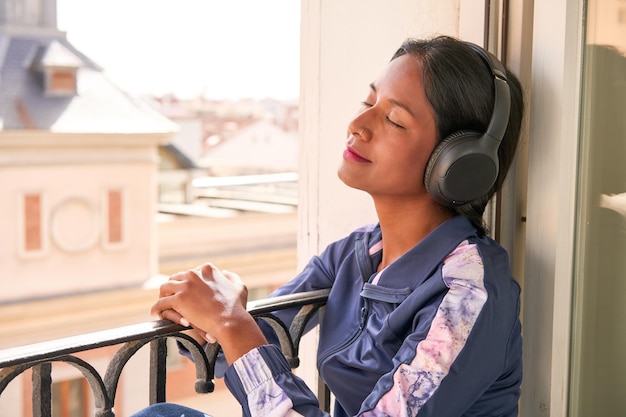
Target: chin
[351,178]
[345,178]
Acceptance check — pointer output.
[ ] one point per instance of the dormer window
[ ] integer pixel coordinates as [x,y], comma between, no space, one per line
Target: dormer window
[60,67]
[60,81]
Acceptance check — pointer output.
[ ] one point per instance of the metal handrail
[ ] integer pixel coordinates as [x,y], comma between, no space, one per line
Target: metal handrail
[40,356]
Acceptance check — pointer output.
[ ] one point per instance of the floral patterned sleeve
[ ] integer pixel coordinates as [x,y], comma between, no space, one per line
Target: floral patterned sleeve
[265,386]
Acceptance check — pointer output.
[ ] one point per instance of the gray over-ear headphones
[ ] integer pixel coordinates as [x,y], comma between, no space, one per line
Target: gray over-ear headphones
[464,165]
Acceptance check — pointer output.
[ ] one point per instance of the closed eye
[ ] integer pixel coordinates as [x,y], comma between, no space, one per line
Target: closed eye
[394,124]
[387,119]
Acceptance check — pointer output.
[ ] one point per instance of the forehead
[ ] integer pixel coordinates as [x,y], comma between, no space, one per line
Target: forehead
[405,70]
[402,81]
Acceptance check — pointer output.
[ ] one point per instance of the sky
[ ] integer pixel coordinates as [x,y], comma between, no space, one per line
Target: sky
[222,49]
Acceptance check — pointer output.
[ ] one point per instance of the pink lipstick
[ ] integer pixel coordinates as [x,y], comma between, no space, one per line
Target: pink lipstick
[349,154]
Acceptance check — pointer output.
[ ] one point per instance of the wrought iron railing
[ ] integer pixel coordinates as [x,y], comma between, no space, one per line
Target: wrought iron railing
[39,357]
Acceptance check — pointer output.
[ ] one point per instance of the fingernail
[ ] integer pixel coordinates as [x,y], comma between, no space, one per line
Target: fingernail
[210,338]
[184,322]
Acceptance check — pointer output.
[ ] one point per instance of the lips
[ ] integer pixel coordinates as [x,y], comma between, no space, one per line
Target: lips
[349,154]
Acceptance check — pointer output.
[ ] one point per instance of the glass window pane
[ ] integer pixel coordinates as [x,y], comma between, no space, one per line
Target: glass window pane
[599,350]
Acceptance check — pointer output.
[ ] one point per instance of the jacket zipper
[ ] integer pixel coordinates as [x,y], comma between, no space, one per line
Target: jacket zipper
[361,248]
[362,320]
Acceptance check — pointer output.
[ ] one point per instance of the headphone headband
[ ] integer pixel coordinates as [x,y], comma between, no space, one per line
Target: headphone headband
[502,94]
[464,166]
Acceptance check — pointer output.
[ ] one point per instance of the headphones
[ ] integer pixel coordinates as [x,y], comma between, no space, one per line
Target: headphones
[464,166]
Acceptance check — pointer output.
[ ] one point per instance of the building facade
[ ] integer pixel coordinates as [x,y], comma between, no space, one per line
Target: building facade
[63,127]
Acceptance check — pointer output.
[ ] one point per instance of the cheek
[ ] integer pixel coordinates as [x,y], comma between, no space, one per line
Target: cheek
[414,161]
[403,171]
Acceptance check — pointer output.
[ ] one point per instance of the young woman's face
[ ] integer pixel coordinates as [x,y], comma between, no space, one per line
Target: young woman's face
[392,136]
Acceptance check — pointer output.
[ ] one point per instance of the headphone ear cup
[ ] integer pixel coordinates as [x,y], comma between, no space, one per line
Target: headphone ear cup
[461,168]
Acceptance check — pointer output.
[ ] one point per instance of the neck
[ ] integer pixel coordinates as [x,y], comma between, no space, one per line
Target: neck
[405,223]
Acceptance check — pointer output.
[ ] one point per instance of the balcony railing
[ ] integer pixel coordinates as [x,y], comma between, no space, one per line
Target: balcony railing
[39,357]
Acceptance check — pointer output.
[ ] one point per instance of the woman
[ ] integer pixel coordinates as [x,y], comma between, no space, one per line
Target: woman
[423,312]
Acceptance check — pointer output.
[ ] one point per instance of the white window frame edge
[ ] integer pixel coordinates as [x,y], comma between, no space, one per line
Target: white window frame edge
[551,219]
[308,173]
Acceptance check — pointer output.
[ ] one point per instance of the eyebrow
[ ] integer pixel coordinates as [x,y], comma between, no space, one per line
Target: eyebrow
[396,102]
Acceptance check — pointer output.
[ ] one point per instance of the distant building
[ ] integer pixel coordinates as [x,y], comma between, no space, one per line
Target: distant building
[76,154]
[224,138]
[207,128]
[261,147]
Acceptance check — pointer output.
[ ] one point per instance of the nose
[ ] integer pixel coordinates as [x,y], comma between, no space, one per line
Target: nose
[359,126]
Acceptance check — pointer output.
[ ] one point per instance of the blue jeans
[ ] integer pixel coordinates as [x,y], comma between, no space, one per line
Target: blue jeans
[169,410]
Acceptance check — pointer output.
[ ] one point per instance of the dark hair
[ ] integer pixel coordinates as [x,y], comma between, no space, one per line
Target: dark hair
[460,88]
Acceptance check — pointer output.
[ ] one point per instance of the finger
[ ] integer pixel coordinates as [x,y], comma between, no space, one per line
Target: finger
[161,305]
[199,267]
[209,338]
[232,277]
[197,335]
[166,289]
[207,271]
[174,316]
[197,273]
[169,286]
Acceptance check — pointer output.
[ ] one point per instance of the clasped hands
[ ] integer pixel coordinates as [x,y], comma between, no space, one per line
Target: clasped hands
[204,298]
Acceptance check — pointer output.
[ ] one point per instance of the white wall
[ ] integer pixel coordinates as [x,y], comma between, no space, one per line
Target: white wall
[345,45]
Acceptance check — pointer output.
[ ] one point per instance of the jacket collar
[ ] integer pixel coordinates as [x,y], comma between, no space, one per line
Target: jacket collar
[420,261]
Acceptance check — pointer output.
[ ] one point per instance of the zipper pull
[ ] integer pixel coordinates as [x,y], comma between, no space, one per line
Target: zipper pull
[364,311]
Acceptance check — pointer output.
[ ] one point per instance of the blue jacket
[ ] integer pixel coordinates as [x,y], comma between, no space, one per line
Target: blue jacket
[436,333]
